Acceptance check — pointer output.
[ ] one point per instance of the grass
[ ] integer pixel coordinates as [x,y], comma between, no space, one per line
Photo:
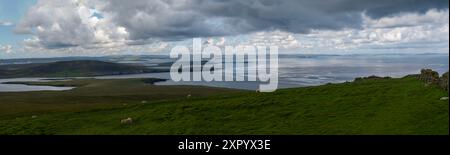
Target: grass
[368,107]
[93,94]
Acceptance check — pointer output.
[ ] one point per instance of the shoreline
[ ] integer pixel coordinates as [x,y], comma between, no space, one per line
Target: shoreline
[154,82]
[44,81]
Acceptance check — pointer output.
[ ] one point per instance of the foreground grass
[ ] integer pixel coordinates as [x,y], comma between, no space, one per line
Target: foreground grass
[387,106]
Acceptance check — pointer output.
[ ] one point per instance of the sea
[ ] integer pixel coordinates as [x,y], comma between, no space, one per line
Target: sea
[294,70]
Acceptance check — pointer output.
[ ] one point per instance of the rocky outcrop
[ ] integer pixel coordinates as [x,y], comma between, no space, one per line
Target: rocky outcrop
[429,76]
[443,81]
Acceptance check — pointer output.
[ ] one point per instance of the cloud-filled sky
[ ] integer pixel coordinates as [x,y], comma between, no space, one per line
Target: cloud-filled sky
[43,28]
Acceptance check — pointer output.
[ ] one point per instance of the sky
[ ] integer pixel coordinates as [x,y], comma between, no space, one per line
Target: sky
[53,28]
[11,13]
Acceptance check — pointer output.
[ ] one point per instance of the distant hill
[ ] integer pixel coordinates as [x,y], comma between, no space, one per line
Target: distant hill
[77,68]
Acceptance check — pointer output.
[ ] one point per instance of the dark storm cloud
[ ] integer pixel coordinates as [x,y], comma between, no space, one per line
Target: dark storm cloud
[99,23]
[396,6]
[178,19]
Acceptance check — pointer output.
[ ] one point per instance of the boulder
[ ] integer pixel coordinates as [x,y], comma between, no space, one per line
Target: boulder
[443,81]
[429,76]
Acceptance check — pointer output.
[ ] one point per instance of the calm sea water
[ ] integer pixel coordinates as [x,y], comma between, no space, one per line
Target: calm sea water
[23,88]
[301,71]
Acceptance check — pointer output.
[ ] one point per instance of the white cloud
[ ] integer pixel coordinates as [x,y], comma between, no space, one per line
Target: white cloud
[6,48]
[278,38]
[428,31]
[6,23]
[58,24]
[406,32]
[220,42]
[30,48]
[431,17]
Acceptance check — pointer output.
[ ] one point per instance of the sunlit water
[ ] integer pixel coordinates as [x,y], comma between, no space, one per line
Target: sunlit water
[301,71]
[23,88]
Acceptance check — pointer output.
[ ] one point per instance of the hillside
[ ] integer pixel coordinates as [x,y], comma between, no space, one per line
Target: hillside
[78,68]
[403,106]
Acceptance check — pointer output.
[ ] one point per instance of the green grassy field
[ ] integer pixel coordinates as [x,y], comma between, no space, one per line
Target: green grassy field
[368,107]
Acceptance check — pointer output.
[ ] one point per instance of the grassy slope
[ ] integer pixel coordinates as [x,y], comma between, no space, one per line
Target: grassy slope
[93,94]
[388,106]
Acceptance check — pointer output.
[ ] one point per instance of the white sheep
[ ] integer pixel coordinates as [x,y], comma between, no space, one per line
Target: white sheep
[127,121]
